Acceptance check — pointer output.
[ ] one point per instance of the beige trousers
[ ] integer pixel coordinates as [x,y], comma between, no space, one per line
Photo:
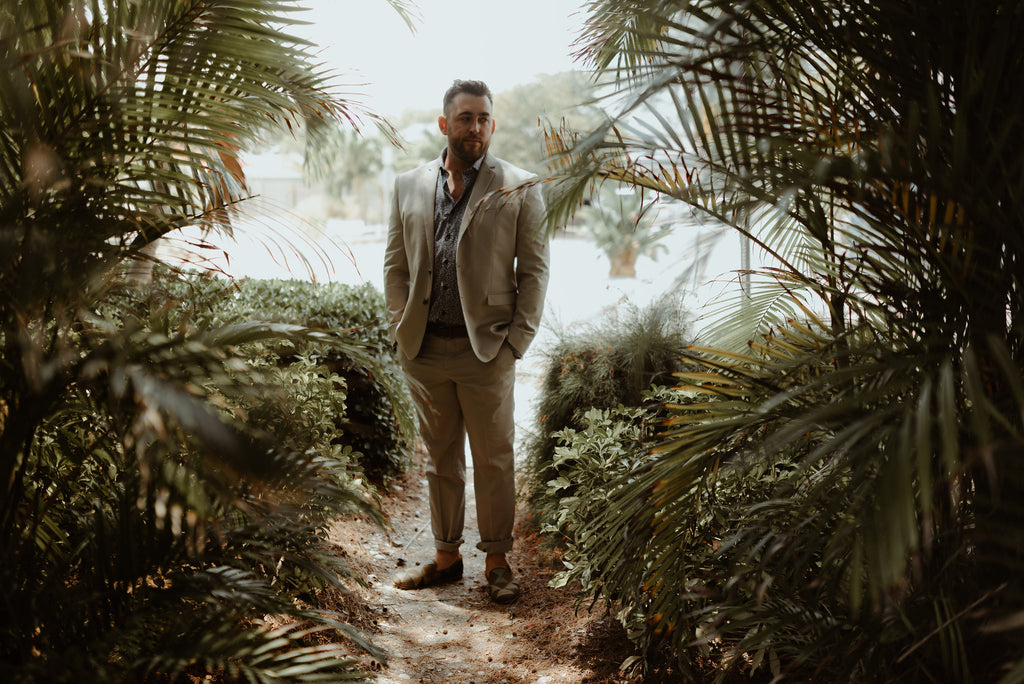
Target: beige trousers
[458,394]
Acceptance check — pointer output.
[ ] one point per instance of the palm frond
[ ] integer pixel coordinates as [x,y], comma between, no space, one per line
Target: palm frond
[141,509]
[832,458]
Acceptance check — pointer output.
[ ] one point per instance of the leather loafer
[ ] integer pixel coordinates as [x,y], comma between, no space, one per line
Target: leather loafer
[429,576]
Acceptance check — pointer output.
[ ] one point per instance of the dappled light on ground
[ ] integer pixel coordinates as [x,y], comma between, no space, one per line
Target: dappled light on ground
[453,634]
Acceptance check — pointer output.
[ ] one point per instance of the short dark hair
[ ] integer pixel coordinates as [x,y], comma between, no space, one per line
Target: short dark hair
[477,88]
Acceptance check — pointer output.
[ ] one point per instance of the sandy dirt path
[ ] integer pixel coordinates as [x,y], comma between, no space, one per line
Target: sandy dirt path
[454,634]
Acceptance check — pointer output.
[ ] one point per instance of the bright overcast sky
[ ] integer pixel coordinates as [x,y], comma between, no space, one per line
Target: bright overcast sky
[503,42]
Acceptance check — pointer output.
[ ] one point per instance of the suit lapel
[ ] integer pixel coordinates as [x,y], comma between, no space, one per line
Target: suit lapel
[485,179]
[427,187]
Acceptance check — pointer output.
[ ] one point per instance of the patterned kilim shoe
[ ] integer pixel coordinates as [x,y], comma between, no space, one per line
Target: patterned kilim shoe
[502,586]
[429,576]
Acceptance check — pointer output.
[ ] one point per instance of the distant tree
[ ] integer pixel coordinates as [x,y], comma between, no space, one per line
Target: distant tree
[422,140]
[522,112]
[623,227]
[352,163]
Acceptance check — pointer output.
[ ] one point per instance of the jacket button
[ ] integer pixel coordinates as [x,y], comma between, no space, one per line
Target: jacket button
[426,302]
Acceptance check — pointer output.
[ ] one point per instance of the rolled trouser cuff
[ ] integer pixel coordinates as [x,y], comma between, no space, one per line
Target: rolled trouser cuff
[495,546]
[447,546]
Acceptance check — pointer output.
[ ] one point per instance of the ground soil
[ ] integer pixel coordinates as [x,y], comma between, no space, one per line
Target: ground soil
[454,634]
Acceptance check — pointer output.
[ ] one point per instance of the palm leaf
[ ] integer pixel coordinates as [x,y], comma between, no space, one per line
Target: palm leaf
[829,463]
[141,511]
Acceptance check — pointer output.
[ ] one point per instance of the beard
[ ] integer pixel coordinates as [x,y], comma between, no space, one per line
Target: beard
[466,151]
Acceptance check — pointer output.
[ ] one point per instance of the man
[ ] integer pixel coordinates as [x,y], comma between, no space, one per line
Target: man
[465,272]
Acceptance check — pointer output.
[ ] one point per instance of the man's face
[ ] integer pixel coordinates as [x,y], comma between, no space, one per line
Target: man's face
[468,125]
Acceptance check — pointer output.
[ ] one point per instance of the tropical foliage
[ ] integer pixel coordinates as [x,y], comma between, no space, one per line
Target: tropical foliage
[611,364]
[836,493]
[377,424]
[155,508]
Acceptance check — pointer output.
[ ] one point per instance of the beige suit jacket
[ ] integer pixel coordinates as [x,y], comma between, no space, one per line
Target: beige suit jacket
[502,258]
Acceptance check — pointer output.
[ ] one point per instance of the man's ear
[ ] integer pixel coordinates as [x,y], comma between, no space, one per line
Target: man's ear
[442,123]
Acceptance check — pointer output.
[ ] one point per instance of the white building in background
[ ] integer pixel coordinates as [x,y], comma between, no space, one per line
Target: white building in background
[277,182]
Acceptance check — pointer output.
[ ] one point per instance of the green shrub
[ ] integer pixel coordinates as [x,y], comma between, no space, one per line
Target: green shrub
[593,463]
[666,609]
[608,444]
[668,604]
[378,424]
[611,364]
[724,538]
[172,495]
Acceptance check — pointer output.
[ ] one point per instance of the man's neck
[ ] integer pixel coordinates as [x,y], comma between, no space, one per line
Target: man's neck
[454,165]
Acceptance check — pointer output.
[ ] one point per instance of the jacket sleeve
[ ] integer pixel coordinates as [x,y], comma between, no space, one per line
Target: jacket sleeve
[532,265]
